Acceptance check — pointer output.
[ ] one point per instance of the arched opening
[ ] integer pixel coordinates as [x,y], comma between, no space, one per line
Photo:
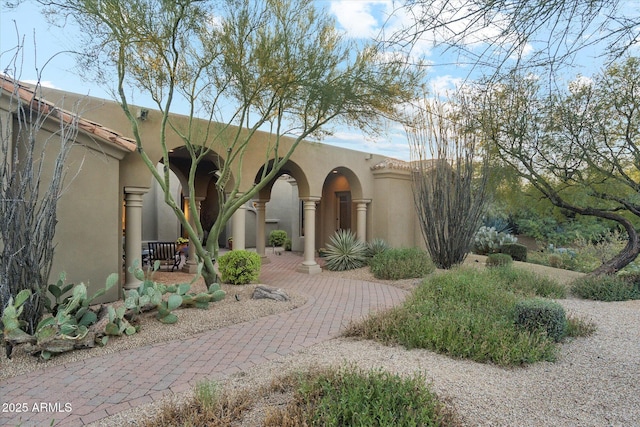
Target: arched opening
[282,203]
[337,211]
[159,220]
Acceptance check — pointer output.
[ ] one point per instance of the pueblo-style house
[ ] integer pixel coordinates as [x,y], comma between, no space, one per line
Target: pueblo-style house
[111,207]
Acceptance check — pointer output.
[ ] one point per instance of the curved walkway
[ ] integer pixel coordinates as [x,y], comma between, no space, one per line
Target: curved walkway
[79,393]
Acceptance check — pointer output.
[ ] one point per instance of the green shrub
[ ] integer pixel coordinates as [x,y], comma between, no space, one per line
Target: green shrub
[277,238]
[517,251]
[541,315]
[605,288]
[375,247]
[555,261]
[345,252]
[239,267]
[527,283]
[464,312]
[351,397]
[401,263]
[287,244]
[499,260]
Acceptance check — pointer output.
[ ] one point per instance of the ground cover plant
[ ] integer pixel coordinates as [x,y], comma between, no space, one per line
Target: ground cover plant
[335,396]
[208,407]
[349,396]
[401,263]
[469,314]
[498,260]
[606,288]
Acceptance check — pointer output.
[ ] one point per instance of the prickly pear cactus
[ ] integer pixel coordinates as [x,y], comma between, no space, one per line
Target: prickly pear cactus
[12,331]
[488,241]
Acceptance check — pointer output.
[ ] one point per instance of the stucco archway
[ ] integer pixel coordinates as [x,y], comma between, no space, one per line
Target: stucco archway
[342,205]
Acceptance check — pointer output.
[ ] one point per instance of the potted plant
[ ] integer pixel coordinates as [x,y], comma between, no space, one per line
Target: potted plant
[181,243]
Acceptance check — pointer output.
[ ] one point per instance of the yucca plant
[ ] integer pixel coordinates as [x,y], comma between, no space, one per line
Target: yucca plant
[345,252]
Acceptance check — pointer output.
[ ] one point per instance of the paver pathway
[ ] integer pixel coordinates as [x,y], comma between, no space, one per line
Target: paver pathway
[86,391]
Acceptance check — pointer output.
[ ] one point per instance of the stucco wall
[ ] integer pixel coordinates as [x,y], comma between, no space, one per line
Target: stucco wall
[88,242]
[88,235]
[394,217]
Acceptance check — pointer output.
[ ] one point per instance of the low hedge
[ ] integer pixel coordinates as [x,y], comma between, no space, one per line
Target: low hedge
[401,263]
[517,251]
[537,314]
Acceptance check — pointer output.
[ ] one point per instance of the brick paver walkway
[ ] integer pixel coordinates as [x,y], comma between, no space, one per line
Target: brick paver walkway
[96,388]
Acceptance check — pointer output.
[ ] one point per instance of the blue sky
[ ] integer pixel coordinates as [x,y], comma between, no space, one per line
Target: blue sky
[360,19]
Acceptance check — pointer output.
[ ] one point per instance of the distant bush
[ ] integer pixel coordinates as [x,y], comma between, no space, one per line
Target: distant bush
[542,315]
[287,244]
[277,238]
[517,251]
[401,263]
[555,261]
[345,252]
[499,260]
[605,288]
[239,267]
[583,254]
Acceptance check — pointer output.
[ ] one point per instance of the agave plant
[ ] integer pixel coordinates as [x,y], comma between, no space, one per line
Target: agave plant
[376,246]
[345,252]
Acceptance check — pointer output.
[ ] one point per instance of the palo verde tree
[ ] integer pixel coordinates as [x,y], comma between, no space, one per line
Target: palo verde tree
[495,37]
[242,65]
[36,138]
[449,179]
[578,146]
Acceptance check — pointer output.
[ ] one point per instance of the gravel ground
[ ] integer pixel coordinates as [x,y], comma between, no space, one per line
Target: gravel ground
[595,382]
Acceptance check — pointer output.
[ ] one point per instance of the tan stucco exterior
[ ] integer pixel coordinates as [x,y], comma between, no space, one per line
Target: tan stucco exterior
[368,193]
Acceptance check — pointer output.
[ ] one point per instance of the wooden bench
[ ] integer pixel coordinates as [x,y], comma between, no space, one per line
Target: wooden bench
[165,252]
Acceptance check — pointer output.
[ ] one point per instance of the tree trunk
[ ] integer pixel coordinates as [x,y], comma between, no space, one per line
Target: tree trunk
[627,255]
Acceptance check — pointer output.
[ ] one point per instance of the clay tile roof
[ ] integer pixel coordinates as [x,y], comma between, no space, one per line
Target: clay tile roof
[28,95]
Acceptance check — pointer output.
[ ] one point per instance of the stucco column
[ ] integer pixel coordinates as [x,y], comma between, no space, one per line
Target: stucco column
[238,228]
[133,232]
[191,266]
[261,217]
[361,218]
[309,265]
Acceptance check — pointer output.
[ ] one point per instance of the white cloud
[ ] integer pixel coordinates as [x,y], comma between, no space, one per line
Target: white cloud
[393,144]
[443,85]
[360,19]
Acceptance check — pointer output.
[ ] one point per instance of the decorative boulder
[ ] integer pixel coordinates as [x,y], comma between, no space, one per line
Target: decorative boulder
[262,292]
